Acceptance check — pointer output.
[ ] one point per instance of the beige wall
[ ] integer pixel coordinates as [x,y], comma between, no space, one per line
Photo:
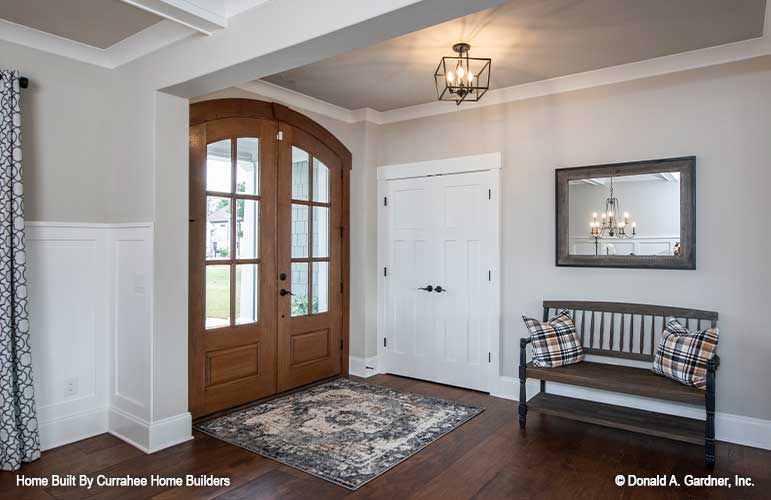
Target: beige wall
[66,136]
[720,114]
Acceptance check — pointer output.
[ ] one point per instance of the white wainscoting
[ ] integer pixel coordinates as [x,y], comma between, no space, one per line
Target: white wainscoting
[91,303]
[69,296]
[649,245]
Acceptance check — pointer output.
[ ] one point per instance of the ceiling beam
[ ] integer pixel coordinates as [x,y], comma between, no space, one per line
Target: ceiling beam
[203,16]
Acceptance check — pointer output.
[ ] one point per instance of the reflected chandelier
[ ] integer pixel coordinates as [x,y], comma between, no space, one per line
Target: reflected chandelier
[610,223]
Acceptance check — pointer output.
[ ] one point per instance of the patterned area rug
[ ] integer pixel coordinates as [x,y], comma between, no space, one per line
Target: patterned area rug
[342,431]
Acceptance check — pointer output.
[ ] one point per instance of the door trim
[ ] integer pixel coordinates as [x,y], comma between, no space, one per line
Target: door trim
[490,162]
[217,109]
[446,166]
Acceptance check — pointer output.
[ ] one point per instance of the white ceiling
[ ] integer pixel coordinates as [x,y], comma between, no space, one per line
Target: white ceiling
[529,41]
[98,23]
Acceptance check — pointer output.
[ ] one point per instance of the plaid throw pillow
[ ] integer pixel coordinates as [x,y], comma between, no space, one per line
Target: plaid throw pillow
[554,343]
[683,355]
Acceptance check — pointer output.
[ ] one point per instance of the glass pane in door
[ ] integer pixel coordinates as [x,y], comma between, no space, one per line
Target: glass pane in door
[300,240]
[320,301]
[248,165]
[320,182]
[300,174]
[299,289]
[247,293]
[218,217]
[247,229]
[320,232]
[217,296]
[218,166]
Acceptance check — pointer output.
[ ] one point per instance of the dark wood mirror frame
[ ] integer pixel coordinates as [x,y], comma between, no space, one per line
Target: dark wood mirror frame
[686,166]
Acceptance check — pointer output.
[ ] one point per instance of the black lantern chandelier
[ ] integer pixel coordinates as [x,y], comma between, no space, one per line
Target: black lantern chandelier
[462,78]
[611,223]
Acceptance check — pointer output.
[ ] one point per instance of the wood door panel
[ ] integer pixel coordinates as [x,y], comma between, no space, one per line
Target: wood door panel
[228,365]
[309,347]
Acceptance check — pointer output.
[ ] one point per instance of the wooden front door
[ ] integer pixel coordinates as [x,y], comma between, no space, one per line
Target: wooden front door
[309,260]
[232,263]
[268,212]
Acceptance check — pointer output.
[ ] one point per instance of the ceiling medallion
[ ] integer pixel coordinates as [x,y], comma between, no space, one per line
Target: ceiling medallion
[462,78]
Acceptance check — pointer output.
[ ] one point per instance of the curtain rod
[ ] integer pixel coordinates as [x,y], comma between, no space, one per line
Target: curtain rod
[23,82]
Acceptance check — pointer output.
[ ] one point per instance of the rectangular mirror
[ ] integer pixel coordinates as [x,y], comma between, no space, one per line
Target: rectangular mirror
[635,215]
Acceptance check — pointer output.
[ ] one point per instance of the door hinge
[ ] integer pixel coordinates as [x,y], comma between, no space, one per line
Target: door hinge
[385,342]
[489,275]
[341,344]
[385,201]
[489,194]
[385,271]
[280,135]
[341,231]
[341,287]
[489,357]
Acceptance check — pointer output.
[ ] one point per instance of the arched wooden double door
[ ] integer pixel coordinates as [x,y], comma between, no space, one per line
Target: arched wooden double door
[268,294]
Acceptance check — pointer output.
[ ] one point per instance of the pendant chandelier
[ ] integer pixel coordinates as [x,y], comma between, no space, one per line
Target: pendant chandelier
[462,78]
[611,223]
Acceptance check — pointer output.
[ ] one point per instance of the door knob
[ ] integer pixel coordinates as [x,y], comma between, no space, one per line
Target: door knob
[284,292]
[439,289]
[428,288]
[282,276]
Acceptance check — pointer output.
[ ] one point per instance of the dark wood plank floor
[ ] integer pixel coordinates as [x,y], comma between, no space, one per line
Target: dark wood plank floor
[487,457]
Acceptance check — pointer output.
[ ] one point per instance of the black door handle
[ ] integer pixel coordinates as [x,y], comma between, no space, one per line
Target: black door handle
[284,293]
[428,288]
[439,289]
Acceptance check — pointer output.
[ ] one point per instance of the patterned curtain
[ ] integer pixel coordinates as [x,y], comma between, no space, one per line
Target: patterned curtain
[19,439]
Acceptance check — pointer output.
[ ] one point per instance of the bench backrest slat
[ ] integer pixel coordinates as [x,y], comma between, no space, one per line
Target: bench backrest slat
[625,346]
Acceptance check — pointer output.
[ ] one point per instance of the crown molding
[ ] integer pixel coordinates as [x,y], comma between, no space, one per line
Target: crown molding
[307,103]
[137,45]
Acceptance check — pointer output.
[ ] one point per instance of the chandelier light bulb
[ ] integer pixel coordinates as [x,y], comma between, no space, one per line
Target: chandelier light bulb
[450,76]
[460,72]
[470,77]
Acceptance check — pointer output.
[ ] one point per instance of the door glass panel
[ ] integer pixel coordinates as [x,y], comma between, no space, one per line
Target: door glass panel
[300,174]
[320,302]
[247,229]
[299,288]
[299,231]
[218,217]
[218,166]
[217,296]
[320,182]
[247,293]
[248,165]
[320,232]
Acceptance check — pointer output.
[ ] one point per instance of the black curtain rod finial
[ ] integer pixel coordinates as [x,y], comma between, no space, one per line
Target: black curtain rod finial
[23,82]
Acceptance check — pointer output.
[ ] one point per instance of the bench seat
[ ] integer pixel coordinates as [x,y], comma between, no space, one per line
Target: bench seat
[617,378]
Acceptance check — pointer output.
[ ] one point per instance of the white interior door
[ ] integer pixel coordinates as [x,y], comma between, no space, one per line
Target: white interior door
[440,250]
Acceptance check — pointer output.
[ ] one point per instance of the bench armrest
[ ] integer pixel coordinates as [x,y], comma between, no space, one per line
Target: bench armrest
[523,341]
[713,363]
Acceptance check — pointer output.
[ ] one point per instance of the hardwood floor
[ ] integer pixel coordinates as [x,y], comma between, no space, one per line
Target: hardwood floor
[485,458]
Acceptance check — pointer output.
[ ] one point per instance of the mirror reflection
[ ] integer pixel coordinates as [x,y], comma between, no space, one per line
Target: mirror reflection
[625,215]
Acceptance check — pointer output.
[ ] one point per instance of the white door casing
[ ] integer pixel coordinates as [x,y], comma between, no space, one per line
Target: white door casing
[439,226]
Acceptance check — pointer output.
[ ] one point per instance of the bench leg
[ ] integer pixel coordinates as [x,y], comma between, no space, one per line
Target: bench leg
[522,384]
[709,425]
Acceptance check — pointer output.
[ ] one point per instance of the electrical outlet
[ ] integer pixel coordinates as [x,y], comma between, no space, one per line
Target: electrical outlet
[71,386]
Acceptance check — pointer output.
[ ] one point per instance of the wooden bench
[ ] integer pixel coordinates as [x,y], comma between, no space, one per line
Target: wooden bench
[623,331]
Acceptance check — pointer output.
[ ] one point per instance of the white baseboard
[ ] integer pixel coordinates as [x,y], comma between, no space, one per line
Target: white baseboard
[736,429]
[150,436]
[71,428]
[363,367]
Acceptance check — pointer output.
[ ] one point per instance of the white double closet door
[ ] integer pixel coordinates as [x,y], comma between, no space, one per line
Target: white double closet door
[440,256]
